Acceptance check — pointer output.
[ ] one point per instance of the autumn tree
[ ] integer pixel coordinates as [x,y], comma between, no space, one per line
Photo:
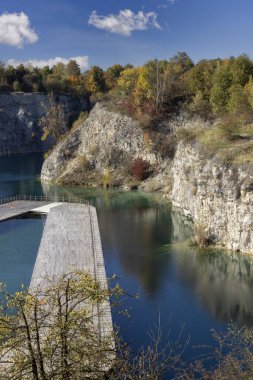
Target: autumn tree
[54,122]
[112,75]
[96,80]
[52,333]
[128,79]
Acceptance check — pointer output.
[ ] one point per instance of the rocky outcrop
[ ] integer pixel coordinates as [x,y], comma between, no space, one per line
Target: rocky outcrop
[217,197]
[19,117]
[100,149]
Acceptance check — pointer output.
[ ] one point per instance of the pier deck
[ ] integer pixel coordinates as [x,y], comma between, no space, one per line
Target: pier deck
[70,241]
[16,208]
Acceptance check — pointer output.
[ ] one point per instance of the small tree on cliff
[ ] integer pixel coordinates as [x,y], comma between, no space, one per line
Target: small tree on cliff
[54,122]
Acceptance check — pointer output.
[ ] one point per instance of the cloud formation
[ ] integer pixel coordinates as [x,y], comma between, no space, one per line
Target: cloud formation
[82,61]
[166,5]
[125,22]
[15,30]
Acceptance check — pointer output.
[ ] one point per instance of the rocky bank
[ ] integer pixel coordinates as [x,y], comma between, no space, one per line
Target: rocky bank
[218,198]
[99,151]
[19,118]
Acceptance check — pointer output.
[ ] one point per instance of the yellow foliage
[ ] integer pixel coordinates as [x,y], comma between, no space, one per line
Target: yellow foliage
[106,178]
[128,78]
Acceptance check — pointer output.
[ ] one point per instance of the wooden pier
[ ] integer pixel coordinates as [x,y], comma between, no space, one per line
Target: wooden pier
[70,241]
[13,209]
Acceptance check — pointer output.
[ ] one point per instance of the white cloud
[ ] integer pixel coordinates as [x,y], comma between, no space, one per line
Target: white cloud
[125,22]
[166,5]
[15,30]
[83,62]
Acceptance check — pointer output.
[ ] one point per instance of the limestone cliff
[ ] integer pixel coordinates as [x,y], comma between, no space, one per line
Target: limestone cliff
[19,117]
[217,197]
[102,146]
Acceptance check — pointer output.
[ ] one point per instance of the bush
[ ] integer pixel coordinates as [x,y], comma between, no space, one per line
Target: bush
[201,237]
[166,146]
[186,135]
[140,169]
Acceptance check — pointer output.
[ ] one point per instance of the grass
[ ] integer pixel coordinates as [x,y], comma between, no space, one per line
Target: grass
[231,144]
[231,140]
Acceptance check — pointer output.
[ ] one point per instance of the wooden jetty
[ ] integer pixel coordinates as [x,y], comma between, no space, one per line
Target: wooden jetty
[17,208]
[70,241]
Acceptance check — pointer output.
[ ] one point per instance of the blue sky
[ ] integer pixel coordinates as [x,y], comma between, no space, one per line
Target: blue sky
[149,29]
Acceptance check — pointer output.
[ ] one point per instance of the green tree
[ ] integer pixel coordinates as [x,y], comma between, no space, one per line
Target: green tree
[222,82]
[72,69]
[241,69]
[237,99]
[248,89]
[200,77]
[182,61]
[17,86]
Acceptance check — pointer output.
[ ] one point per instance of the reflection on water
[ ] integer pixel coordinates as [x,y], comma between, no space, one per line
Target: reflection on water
[19,243]
[20,174]
[221,281]
[133,237]
[148,246]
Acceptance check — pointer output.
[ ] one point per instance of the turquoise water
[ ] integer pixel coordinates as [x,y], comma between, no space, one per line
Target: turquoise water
[145,243]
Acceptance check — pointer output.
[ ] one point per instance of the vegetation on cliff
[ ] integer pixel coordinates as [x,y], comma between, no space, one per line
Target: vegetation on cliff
[214,89]
[209,87]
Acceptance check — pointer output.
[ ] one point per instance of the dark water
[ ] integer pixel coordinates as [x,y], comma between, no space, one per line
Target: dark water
[145,243]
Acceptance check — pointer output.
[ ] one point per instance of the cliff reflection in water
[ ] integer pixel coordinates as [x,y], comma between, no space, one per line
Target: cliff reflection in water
[133,237]
[149,244]
[221,281]
[133,228]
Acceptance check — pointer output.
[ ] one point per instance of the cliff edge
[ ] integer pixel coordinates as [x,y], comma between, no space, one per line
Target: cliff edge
[19,120]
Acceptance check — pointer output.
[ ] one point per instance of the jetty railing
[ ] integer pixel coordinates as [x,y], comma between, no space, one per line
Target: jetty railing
[43,198]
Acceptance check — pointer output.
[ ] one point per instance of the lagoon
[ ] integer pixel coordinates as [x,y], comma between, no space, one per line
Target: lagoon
[146,244]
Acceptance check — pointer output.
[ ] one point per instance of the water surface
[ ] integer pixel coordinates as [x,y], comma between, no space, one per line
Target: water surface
[146,244]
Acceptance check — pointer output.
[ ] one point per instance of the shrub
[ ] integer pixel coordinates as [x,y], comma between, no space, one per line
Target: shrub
[140,169]
[201,236]
[186,135]
[165,145]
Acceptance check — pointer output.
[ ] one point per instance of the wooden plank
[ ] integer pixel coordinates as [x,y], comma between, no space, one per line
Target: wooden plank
[71,241]
[17,208]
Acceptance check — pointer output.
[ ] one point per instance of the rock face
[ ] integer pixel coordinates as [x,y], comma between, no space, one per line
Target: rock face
[104,144]
[19,117]
[218,198]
